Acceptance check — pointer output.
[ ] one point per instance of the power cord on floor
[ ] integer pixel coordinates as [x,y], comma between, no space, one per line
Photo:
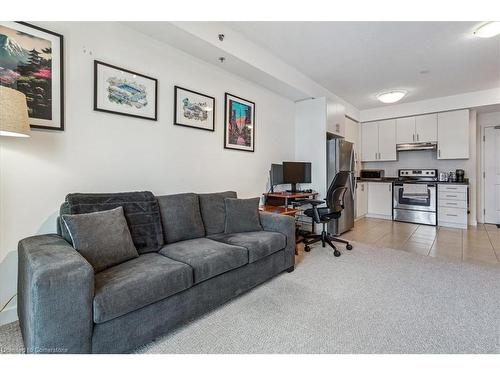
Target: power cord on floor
[4,306]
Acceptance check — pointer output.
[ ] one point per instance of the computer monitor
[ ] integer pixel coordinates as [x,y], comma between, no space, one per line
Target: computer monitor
[296,173]
[276,175]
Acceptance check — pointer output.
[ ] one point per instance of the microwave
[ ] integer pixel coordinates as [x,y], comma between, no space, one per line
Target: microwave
[371,174]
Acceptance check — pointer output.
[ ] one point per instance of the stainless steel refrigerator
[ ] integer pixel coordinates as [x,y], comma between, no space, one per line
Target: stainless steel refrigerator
[340,157]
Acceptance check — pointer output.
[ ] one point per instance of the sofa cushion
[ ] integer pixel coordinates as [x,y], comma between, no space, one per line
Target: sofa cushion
[137,283]
[259,244]
[208,258]
[213,210]
[102,238]
[141,211]
[181,217]
[242,215]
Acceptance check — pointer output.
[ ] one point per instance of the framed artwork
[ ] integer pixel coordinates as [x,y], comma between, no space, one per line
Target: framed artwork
[194,109]
[31,61]
[239,123]
[121,91]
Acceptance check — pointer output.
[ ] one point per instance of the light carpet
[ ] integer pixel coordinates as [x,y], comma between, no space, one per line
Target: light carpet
[367,301]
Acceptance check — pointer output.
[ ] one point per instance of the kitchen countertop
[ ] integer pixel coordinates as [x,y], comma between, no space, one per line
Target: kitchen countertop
[465,182]
[393,179]
[385,179]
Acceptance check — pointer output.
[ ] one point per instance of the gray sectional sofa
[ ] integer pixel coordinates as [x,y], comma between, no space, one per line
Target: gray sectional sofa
[186,267]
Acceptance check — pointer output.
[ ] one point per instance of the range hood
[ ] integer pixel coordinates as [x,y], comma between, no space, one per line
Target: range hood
[416,146]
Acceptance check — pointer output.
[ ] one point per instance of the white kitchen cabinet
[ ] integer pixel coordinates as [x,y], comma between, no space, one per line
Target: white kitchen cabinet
[335,119]
[426,128]
[361,199]
[353,135]
[380,200]
[416,129]
[378,141]
[452,206]
[405,130]
[453,134]
[369,141]
[387,140]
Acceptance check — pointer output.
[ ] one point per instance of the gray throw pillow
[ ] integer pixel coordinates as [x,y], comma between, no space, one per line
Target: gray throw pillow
[102,237]
[242,215]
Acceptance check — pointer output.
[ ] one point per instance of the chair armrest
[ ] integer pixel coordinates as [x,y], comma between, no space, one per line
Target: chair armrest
[55,294]
[313,202]
[285,225]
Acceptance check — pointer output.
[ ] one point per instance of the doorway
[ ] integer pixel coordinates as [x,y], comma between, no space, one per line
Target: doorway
[492,174]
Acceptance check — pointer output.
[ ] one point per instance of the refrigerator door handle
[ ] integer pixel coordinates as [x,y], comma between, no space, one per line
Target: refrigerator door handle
[352,182]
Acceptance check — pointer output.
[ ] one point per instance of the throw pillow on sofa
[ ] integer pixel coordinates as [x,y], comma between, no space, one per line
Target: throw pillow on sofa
[242,215]
[102,238]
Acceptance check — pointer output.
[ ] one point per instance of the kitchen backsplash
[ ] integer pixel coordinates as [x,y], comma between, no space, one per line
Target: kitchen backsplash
[417,159]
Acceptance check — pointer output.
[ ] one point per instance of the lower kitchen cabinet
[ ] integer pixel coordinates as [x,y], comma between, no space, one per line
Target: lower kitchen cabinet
[452,206]
[361,199]
[380,200]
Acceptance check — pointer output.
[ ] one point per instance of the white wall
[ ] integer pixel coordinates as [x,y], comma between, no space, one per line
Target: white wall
[310,141]
[101,152]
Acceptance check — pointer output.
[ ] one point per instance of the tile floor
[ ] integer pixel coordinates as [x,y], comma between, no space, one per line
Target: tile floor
[481,243]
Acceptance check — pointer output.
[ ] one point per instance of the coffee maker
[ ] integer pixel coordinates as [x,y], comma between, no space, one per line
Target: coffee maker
[459,175]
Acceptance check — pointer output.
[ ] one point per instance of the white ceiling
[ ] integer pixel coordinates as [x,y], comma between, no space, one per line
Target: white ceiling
[356,60]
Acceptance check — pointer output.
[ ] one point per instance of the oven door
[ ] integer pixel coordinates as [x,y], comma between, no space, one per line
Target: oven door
[428,204]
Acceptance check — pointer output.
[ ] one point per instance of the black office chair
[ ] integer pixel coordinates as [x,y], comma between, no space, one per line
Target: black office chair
[323,215]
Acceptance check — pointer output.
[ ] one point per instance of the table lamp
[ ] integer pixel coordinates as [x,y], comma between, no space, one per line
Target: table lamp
[13,113]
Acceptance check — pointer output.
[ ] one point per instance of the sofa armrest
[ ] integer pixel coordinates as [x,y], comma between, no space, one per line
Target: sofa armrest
[55,293]
[283,224]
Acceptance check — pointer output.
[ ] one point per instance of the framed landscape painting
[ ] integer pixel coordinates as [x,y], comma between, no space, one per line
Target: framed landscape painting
[31,61]
[194,109]
[239,123]
[121,91]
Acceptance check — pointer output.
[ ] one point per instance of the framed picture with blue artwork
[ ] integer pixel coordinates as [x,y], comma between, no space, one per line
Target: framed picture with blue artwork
[31,61]
[239,123]
[194,109]
[123,92]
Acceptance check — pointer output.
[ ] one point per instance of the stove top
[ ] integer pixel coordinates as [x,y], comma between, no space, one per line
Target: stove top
[417,175]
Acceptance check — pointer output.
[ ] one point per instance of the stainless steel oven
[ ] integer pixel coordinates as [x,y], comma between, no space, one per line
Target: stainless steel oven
[420,209]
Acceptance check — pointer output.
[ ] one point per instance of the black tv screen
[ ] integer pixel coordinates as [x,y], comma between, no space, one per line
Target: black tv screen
[296,172]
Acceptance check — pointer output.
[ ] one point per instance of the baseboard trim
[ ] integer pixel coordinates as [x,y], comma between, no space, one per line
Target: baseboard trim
[9,315]
[377,216]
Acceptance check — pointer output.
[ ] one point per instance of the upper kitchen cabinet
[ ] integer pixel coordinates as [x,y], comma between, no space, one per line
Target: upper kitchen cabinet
[387,140]
[378,141]
[405,130]
[353,135]
[416,129]
[335,119]
[426,128]
[369,141]
[453,134]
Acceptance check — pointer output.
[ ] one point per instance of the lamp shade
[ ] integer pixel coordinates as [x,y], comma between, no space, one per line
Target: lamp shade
[13,113]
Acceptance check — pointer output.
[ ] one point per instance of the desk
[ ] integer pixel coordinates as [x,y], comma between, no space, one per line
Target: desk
[282,210]
[286,196]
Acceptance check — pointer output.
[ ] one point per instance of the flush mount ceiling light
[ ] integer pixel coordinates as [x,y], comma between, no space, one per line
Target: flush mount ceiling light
[392,96]
[488,30]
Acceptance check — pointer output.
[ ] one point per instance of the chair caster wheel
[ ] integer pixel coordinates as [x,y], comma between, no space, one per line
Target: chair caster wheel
[307,248]
[336,253]
[349,247]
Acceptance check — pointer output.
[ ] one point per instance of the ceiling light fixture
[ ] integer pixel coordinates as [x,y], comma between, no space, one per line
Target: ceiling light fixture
[392,96]
[488,30]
